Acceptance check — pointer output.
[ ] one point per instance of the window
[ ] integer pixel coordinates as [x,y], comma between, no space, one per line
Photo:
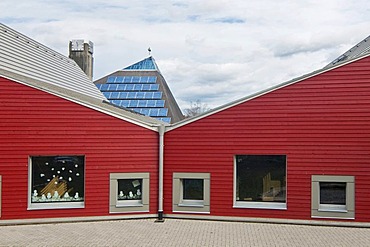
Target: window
[193,189]
[56,182]
[191,192]
[260,181]
[129,192]
[333,196]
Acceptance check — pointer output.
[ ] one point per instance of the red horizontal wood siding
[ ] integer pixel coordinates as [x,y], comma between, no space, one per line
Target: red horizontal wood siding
[322,124]
[33,122]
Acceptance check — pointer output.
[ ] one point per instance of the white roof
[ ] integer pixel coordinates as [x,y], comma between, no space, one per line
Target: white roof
[24,56]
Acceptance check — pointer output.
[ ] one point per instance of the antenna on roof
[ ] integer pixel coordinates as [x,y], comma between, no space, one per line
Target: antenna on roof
[149,50]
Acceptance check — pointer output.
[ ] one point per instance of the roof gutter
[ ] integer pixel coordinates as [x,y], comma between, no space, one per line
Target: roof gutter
[161,130]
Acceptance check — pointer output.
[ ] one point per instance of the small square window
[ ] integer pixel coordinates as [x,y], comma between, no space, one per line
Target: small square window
[193,189]
[56,182]
[332,193]
[191,192]
[332,196]
[129,192]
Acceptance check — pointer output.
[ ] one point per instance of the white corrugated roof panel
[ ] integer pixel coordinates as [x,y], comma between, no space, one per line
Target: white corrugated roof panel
[24,56]
[358,50]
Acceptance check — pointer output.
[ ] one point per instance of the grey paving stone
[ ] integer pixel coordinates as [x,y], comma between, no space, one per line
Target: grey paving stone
[175,232]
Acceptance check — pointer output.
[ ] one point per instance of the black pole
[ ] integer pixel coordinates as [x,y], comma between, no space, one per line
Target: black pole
[160,217]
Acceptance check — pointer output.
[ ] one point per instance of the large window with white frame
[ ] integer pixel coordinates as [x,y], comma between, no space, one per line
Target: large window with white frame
[191,192]
[260,181]
[129,192]
[333,196]
[56,182]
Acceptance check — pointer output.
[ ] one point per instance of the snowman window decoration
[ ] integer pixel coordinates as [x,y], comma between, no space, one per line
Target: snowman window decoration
[57,179]
[129,189]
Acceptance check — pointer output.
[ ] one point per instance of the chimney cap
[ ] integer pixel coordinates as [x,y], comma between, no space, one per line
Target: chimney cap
[78,45]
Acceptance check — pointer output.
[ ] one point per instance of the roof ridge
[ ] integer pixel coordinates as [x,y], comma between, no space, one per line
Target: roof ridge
[145,64]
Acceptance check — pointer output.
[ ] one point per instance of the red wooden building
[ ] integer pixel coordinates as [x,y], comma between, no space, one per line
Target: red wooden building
[64,150]
[300,150]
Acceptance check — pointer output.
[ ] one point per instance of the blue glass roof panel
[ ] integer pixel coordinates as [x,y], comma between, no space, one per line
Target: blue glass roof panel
[144,79]
[162,112]
[110,79]
[127,78]
[140,95]
[159,103]
[152,79]
[114,95]
[132,79]
[129,87]
[134,103]
[135,79]
[154,87]
[157,95]
[142,103]
[151,103]
[131,95]
[146,64]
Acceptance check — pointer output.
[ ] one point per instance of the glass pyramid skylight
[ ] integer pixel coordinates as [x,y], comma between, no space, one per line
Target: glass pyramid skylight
[146,64]
[139,91]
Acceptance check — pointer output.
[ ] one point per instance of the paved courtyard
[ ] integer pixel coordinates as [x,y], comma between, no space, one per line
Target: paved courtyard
[174,232]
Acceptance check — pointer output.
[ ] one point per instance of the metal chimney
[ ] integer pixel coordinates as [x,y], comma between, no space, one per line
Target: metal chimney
[81,52]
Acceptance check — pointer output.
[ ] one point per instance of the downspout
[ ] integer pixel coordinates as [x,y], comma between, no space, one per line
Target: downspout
[161,130]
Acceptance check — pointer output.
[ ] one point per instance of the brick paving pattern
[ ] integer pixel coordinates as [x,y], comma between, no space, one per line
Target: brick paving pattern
[174,232]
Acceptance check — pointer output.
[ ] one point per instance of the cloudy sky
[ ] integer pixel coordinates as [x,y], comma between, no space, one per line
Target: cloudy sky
[215,51]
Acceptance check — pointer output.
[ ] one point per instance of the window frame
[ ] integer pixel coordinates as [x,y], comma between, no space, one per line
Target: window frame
[346,211]
[181,205]
[116,206]
[259,205]
[54,205]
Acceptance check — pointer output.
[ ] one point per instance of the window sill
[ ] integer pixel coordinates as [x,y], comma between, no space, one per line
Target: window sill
[261,205]
[190,212]
[136,203]
[332,210]
[65,205]
[129,210]
[332,217]
[190,205]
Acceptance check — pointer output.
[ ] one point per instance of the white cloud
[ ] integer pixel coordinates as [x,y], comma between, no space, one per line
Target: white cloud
[213,50]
